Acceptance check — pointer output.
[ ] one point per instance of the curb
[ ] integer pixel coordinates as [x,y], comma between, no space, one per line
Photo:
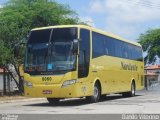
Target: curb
[22,100]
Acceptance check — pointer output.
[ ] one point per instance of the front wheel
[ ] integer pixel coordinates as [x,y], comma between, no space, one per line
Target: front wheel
[96,94]
[53,100]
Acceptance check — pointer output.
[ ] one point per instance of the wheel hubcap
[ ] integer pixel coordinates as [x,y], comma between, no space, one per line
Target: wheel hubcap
[133,90]
[95,92]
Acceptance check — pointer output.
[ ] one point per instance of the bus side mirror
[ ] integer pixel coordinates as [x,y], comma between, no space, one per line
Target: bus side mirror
[75,46]
[16,50]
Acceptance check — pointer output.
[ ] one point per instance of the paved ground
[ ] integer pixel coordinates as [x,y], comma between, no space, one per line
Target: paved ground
[144,102]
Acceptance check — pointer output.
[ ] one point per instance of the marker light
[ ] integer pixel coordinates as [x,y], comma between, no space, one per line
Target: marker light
[28,84]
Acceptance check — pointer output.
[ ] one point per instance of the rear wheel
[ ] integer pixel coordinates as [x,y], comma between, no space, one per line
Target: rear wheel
[132,92]
[53,100]
[96,94]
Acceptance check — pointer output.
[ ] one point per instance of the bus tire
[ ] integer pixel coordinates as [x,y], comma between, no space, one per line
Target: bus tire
[132,92]
[53,100]
[133,89]
[96,94]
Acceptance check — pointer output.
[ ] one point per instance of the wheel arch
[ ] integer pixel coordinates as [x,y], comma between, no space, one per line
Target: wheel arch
[97,81]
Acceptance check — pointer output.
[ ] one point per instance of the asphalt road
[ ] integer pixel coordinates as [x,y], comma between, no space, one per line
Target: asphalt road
[144,102]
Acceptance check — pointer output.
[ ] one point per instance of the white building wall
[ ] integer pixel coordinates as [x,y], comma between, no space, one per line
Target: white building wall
[1,82]
[13,86]
[159,78]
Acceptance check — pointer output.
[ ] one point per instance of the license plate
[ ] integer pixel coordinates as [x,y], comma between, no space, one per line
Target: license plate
[47,91]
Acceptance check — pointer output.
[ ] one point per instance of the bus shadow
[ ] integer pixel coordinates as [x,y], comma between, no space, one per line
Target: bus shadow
[116,97]
[72,102]
[77,102]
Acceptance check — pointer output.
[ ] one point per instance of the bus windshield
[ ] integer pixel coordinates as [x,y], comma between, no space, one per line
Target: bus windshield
[51,50]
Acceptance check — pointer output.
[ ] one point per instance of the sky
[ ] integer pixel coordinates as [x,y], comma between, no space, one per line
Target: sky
[126,18]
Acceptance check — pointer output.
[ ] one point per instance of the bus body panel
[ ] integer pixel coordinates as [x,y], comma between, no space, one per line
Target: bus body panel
[113,78]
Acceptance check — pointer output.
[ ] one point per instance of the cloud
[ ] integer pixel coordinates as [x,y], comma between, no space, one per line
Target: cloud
[127,10]
[96,6]
[133,11]
[122,29]
[126,17]
[87,20]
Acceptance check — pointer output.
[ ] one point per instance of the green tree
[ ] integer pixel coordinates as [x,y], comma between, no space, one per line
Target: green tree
[150,42]
[18,17]
[4,52]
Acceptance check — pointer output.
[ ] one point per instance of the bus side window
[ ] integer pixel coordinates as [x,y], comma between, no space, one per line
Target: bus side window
[106,51]
[110,45]
[124,51]
[98,47]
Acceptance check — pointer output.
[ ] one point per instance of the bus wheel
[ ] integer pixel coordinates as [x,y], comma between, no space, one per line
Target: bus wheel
[53,100]
[96,94]
[132,92]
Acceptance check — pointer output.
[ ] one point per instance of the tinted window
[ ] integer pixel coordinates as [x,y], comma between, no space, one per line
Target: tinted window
[39,36]
[109,46]
[98,45]
[130,47]
[64,34]
[125,50]
[138,54]
[118,48]
[84,56]
[104,45]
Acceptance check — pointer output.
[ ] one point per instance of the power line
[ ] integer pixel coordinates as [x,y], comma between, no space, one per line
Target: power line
[144,4]
[149,4]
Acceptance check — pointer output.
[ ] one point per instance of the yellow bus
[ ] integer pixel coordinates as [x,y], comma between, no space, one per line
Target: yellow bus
[73,61]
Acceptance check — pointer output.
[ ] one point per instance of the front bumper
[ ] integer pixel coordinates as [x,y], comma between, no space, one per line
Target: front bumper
[56,91]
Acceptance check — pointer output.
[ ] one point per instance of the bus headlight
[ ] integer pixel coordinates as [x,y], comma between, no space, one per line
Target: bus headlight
[68,82]
[28,84]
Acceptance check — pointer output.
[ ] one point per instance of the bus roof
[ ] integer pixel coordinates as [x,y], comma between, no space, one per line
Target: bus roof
[92,29]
